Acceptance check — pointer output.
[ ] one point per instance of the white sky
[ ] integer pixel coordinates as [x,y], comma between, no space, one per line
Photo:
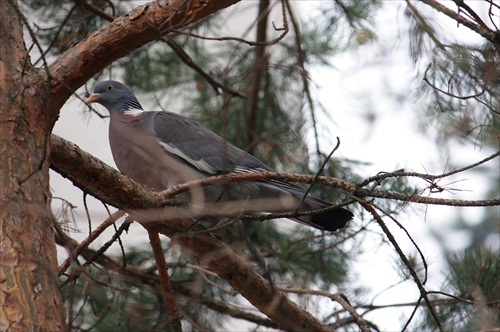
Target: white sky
[392,142]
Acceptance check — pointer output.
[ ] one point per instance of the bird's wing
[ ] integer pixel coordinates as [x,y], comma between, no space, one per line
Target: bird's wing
[210,153]
[201,147]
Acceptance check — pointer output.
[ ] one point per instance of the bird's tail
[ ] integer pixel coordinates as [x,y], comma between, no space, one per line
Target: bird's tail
[330,220]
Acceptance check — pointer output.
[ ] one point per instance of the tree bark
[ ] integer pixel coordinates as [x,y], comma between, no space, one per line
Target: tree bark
[30,103]
[29,293]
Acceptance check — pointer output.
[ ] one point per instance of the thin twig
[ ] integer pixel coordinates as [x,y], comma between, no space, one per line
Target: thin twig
[384,175]
[339,298]
[174,315]
[90,238]
[423,292]
[304,74]
[318,173]
[485,32]
[421,254]
[449,94]
[472,13]
[116,235]
[408,321]
[285,30]
[216,85]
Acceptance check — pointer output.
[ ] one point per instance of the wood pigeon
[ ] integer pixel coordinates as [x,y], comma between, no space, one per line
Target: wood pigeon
[162,149]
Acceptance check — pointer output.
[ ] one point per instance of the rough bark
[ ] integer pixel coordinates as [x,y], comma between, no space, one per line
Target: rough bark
[29,294]
[30,104]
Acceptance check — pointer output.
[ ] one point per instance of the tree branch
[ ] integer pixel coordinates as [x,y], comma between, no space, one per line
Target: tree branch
[404,259]
[126,33]
[492,36]
[174,316]
[106,184]
[337,297]
[139,277]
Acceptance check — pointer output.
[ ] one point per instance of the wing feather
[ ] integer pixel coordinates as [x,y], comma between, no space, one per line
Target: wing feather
[199,146]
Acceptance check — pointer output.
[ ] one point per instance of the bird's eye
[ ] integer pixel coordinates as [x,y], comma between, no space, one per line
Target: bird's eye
[110,87]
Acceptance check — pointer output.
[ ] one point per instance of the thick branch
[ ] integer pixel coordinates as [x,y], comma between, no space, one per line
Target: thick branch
[105,183]
[125,34]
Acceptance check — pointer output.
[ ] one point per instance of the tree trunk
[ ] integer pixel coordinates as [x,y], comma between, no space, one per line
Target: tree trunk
[29,293]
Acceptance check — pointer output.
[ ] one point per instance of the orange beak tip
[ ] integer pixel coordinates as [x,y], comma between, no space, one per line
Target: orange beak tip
[92,98]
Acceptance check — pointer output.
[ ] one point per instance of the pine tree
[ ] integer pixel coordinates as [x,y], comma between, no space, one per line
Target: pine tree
[253,88]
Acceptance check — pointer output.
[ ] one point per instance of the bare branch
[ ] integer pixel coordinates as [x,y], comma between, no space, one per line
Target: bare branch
[174,316]
[339,298]
[485,32]
[92,236]
[141,26]
[109,186]
[106,184]
[423,292]
[216,85]
[320,170]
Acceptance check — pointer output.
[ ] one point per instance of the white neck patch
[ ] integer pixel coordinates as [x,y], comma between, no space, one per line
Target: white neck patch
[133,111]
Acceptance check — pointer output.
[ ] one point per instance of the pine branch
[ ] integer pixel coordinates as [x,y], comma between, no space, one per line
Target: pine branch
[109,186]
[106,184]
[137,276]
[139,27]
[174,316]
[404,259]
[492,36]
[337,297]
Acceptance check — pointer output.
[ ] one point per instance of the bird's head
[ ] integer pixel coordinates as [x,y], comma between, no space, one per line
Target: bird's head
[116,97]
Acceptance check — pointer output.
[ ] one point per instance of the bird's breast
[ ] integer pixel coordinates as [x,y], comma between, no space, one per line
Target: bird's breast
[138,155]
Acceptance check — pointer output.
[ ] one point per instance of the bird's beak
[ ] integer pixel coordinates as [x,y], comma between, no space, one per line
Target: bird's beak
[93,98]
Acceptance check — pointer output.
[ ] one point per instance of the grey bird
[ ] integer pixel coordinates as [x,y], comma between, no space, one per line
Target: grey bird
[163,149]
